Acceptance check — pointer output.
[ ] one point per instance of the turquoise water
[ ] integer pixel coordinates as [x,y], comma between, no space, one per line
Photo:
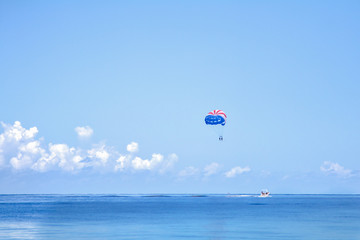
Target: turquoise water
[179,217]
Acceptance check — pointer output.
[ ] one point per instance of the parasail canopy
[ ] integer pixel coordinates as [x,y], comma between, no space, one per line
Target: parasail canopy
[216,117]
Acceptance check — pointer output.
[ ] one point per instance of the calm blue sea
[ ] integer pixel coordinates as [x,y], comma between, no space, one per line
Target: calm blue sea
[180,217]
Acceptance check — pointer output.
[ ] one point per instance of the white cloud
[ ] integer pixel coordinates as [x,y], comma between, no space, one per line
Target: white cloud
[132,147]
[336,169]
[99,153]
[2,139]
[68,157]
[21,161]
[211,169]
[156,163]
[2,159]
[16,133]
[48,160]
[18,145]
[122,162]
[236,171]
[84,132]
[27,153]
[187,172]
[169,163]
[140,164]
[60,156]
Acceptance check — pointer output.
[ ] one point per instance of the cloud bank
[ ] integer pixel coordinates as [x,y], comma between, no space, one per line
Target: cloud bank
[20,149]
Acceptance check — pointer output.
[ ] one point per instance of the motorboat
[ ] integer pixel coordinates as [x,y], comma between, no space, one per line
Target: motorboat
[264,193]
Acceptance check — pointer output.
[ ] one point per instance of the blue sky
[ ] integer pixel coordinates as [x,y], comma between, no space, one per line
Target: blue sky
[137,79]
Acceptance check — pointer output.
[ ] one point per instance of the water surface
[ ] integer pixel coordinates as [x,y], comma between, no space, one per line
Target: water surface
[179,217]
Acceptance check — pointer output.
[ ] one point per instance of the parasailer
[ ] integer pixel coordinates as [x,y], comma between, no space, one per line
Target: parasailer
[217,120]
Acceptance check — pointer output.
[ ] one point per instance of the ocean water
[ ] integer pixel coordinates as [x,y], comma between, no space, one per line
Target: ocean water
[180,217]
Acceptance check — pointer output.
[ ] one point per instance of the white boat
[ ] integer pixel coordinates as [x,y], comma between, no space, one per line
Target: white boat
[264,193]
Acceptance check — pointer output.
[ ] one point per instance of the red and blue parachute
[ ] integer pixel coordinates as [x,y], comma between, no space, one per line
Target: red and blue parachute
[217,119]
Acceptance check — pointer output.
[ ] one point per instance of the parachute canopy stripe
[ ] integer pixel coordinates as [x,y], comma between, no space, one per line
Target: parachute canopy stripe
[217,112]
